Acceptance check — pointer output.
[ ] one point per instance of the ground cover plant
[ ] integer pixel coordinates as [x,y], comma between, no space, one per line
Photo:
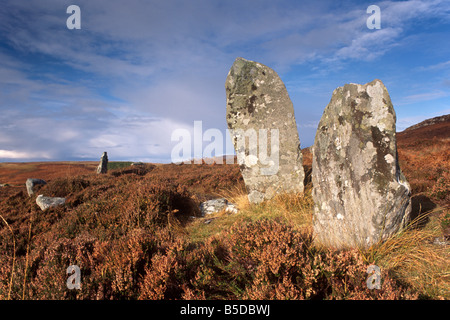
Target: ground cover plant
[137,233]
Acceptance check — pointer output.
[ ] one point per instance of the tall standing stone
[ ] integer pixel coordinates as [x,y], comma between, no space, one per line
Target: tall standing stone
[258,110]
[361,196]
[103,165]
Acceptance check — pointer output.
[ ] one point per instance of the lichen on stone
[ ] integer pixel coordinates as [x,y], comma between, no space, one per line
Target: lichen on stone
[258,100]
[356,173]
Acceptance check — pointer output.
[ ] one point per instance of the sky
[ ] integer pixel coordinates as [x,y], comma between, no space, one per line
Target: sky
[138,70]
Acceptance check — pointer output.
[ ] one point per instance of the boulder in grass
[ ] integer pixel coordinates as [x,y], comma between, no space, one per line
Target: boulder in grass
[48,202]
[217,205]
[32,183]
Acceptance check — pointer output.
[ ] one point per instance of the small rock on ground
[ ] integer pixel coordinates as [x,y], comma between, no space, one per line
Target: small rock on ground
[47,202]
[217,205]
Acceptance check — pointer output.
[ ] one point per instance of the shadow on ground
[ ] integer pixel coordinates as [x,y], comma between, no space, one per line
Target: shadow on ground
[421,206]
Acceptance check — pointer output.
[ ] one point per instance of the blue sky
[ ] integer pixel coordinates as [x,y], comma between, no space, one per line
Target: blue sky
[138,70]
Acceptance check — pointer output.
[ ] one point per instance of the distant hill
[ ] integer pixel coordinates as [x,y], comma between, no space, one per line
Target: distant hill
[424,154]
[437,128]
[429,122]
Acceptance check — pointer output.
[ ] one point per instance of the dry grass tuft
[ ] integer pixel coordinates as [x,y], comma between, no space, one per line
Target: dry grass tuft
[293,209]
[13,258]
[412,257]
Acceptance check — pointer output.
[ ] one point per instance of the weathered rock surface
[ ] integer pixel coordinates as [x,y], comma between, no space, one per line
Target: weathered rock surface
[31,183]
[103,165]
[259,110]
[217,205]
[361,196]
[47,202]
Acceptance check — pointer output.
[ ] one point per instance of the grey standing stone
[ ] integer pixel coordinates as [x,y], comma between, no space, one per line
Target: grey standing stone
[361,196]
[259,110]
[47,202]
[31,183]
[103,165]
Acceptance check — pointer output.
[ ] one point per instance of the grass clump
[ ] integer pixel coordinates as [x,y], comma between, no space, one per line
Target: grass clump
[114,165]
[414,258]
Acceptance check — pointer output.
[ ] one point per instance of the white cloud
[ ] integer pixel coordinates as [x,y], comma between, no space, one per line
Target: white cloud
[437,66]
[365,44]
[420,97]
[138,138]
[369,45]
[401,13]
[309,124]
[16,155]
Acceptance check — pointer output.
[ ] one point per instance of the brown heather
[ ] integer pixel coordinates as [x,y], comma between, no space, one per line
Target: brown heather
[131,233]
[424,155]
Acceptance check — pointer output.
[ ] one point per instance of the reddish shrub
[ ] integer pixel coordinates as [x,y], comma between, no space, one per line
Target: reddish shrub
[269,260]
[125,233]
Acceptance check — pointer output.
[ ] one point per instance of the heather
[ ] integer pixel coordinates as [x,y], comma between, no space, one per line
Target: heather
[136,233]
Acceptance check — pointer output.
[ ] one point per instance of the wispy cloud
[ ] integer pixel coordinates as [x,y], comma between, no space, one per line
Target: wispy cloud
[434,67]
[420,97]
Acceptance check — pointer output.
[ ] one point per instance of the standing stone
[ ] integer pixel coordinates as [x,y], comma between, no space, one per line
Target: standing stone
[258,110]
[31,183]
[103,165]
[361,196]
